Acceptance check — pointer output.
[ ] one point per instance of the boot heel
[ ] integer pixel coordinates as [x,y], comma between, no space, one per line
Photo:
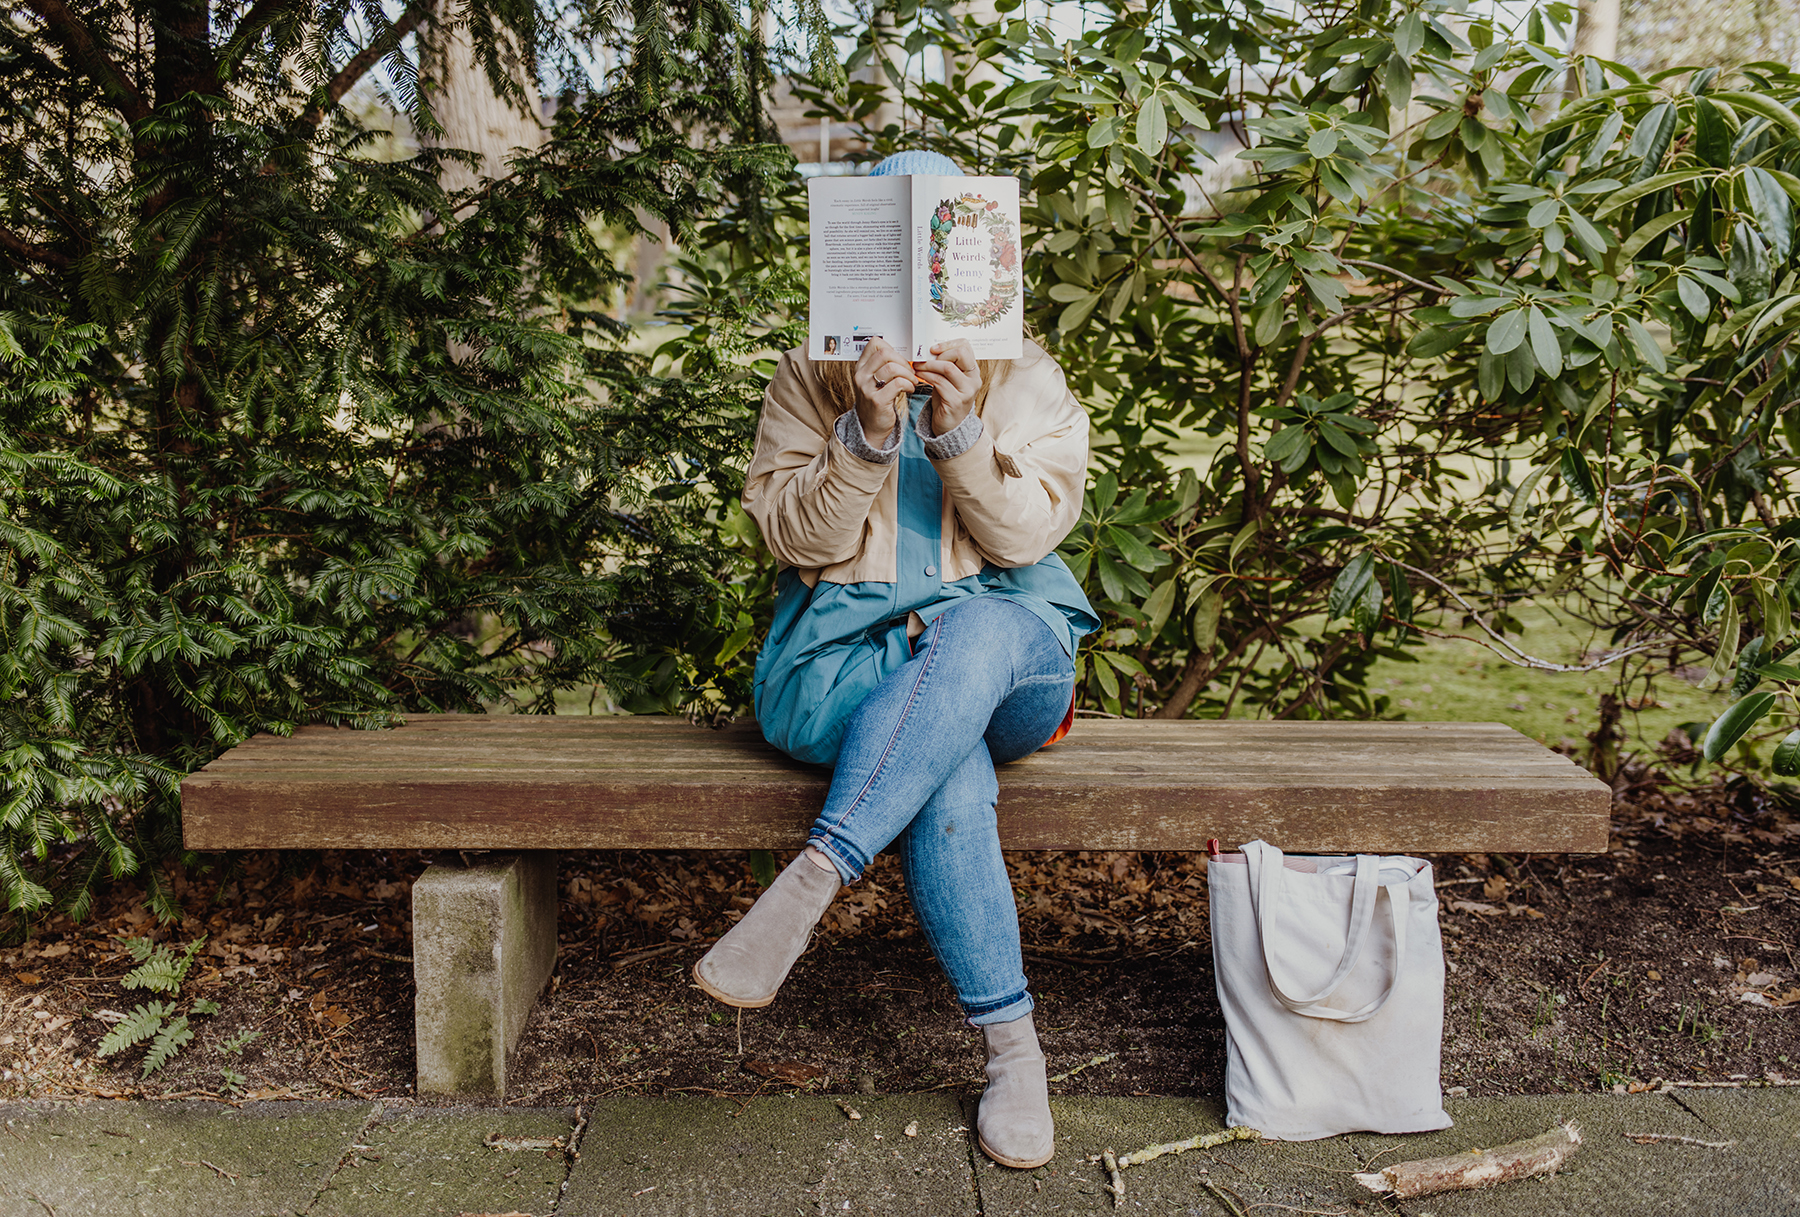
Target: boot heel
[1013,1124]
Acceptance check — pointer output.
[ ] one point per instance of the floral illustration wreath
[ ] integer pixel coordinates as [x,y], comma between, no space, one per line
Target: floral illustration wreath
[1003,257]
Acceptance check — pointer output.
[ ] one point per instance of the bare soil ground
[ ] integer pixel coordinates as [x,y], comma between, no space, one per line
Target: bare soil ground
[1669,959]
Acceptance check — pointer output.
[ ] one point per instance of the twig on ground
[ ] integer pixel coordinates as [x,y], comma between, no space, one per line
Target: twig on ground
[1099,1060]
[1200,1141]
[1224,1196]
[573,1152]
[220,1171]
[517,1144]
[625,961]
[1646,1138]
[1542,1155]
[1270,1204]
[1117,1186]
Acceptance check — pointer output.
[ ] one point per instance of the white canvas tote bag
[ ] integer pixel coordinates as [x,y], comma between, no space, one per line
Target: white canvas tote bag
[1331,974]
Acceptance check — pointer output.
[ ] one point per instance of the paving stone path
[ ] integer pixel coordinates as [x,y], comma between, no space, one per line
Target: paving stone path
[803,1155]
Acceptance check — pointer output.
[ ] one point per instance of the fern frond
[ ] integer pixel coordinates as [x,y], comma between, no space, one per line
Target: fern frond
[162,972]
[138,1026]
[169,1041]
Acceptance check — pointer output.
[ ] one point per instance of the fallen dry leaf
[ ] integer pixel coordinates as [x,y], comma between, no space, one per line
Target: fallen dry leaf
[52,952]
[1476,907]
[794,1073]
[27,978]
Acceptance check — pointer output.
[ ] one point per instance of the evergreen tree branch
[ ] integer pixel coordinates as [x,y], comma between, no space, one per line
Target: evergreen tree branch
[79,40]
[358,67]
[261,16]
[42,255]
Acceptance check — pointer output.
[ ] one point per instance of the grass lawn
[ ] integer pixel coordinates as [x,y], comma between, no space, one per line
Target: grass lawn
[1460,681]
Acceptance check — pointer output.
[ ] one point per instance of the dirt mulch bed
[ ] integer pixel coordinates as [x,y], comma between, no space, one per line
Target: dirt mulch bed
[1670,959]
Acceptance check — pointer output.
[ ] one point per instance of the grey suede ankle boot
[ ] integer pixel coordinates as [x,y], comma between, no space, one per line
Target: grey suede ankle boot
[1013,1124]
[748,964]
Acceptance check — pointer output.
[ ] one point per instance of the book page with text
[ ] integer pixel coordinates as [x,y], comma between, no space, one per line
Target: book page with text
[966,265]
[860,284]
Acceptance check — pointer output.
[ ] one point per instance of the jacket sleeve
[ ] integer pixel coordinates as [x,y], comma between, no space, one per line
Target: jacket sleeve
[807,492]
[1018,487]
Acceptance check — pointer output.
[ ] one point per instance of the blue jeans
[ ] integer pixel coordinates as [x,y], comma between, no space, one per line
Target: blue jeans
[987,683]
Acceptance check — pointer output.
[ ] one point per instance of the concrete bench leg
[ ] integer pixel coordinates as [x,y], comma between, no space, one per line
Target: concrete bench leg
[484,941]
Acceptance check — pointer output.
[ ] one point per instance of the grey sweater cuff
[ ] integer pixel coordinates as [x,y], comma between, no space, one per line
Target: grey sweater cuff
[954,442]
[850,434]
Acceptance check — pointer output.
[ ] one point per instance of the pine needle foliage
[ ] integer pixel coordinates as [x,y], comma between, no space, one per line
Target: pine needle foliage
[290,435]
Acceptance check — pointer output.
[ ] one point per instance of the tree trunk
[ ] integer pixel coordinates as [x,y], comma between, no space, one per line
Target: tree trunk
[1596,35]
[473,116]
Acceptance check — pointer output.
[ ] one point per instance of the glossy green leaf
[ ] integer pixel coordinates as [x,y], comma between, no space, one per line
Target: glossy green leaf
[1515,512]
[1712,138]
[1160,604]
[1648,186]
[1773,210]
[1787,756]
[1646,345]
[1578,477]
[1544,346]
[1693,297]
[1409,35]
[1763,105]
[1351,583]
[1152,125]
[1506,331]
[1734,724]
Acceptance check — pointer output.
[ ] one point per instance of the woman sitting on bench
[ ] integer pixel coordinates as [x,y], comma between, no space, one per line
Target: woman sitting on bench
[924,632]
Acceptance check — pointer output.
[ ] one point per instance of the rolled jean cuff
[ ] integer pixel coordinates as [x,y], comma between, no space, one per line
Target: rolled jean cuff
[1006,1011]
[847,870]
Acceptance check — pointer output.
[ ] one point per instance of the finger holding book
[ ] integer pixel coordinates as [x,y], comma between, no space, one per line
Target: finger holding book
[882,380]
[955,379]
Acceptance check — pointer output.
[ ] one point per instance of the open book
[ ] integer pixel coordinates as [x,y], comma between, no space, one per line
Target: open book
[917,260]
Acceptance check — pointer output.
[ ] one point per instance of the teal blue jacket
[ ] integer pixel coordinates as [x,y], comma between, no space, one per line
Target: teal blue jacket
[830,644]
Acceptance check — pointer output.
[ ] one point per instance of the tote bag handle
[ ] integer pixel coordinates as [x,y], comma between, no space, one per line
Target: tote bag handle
[1268,878]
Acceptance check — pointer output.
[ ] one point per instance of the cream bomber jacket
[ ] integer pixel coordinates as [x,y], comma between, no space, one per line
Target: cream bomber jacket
[1009,500]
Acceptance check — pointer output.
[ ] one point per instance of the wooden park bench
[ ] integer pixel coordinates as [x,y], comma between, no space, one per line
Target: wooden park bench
[484,931]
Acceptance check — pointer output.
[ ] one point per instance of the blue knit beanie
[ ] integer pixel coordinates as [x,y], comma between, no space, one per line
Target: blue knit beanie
[915,160]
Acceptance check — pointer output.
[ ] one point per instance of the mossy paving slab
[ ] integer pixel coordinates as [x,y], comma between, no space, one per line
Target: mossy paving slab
[158,1159]
[1299,1175]
[773,1157]
[436,1162]
[1609,1175]
[1765,1123]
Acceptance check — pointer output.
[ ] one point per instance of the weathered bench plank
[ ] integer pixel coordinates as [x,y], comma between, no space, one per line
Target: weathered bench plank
[448,781]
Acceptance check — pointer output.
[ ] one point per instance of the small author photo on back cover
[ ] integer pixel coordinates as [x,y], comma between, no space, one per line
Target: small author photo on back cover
[831,344]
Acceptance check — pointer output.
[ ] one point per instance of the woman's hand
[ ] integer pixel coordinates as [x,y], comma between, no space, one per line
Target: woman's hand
[882,380]
[955,379]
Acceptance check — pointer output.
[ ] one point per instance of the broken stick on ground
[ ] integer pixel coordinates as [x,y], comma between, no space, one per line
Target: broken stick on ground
[1117,1186]
[1201,1141]
[1647,1138]
[1542,1155]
